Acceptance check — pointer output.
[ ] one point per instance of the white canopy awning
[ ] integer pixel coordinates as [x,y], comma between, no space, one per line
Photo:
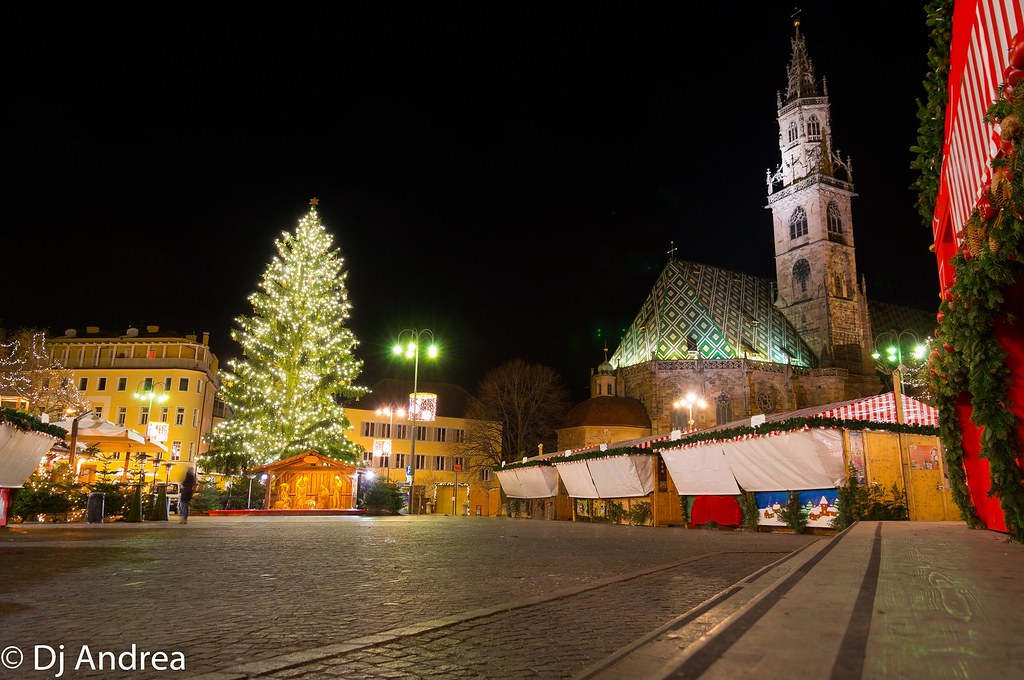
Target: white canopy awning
[576,478]
[93,430]
[700,471]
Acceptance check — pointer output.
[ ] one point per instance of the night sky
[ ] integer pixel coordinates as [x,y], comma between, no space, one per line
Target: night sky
[508,175]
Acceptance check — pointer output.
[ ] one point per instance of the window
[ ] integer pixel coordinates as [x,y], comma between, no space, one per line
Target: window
[144,415]
[147,384]
[183,384]
[798,223]
[609,389]
[403,432]
[801,274]
[167,384]
[458,435]
[367,429]
[458,460]
[723,409]
[421,462]
[98,410]
[792,132]
[176,449]
[191,450]
[766,402]
[813,128]
[179,416]
[835,223]
[102,384]
[421,433]
[83,384]
[122,415]
[114,455]
[439,463]
[384,461]
[195,417]
[400,460]
[122,383]
[367,456]
[441,434]
[485,474]
[199,386]
[163,414]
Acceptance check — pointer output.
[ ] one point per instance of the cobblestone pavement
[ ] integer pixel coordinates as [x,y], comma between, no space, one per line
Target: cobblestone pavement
[388,597]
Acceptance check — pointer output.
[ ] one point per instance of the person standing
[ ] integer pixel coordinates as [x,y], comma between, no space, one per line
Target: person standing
[188,487]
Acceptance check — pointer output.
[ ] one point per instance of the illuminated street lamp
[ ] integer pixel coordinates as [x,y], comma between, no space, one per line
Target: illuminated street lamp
[150,392]
[892,362]
[408,346]
[688,402]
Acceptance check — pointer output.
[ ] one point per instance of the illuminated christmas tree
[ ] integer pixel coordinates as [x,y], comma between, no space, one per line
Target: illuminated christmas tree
[298,362]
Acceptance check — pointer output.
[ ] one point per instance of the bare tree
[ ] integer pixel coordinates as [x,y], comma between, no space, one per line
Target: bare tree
[518,407]
[28,371]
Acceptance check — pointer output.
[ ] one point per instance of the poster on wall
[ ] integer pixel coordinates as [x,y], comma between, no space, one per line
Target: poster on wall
[582,507]
[820,505]
[924,457]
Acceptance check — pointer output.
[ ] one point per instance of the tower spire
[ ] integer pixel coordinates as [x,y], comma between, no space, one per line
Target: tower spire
[800,70]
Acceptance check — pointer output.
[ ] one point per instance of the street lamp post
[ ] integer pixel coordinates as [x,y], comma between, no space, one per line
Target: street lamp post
[74,443]
[408,346]
[688,402]
[149,392]
[892,344]
[248,502]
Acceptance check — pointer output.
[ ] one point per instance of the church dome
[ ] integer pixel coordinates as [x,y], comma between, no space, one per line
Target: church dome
[605,368]
[608,411]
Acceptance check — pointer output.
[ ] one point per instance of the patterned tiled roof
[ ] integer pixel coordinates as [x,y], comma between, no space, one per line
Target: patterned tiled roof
[716,313]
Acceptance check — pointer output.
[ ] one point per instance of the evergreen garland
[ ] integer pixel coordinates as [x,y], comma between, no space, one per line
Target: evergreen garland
[967,361]
[931,132]
[790,425]
[26,422]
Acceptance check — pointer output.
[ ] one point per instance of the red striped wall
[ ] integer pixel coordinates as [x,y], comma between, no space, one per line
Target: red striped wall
[982,30]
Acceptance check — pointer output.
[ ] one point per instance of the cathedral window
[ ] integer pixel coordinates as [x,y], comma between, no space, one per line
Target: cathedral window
[838,286]
[798,223]
[801,275]
[723,409]
[766,402]
[813,128]
[792,132]
[835,223]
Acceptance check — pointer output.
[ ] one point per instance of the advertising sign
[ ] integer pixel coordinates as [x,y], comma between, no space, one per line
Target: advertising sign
[157,431]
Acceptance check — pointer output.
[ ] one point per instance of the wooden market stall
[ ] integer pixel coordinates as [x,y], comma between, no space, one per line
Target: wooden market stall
[309,481]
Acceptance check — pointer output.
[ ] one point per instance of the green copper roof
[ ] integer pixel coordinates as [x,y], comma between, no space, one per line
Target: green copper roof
[714,312]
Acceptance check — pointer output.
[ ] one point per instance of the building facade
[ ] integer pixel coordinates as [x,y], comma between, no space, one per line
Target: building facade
[746,345]
[381,425]
[161,385]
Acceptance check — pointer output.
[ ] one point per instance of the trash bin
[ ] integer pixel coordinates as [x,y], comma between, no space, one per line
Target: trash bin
[94,509]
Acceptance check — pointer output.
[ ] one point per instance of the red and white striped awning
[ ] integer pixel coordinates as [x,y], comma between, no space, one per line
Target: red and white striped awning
[978,55]
[882,409]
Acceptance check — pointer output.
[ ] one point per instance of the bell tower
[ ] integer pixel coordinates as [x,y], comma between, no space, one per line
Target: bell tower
[809,194]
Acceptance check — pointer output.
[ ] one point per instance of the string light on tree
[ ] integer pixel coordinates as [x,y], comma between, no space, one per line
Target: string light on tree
[298,362]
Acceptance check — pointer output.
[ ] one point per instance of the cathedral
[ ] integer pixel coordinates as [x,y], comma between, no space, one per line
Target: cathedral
[743,345]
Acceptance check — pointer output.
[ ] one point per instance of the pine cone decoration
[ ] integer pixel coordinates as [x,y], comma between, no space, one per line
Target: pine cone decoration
[975,233]
[993,244]
[1010,127]
[1001,192]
